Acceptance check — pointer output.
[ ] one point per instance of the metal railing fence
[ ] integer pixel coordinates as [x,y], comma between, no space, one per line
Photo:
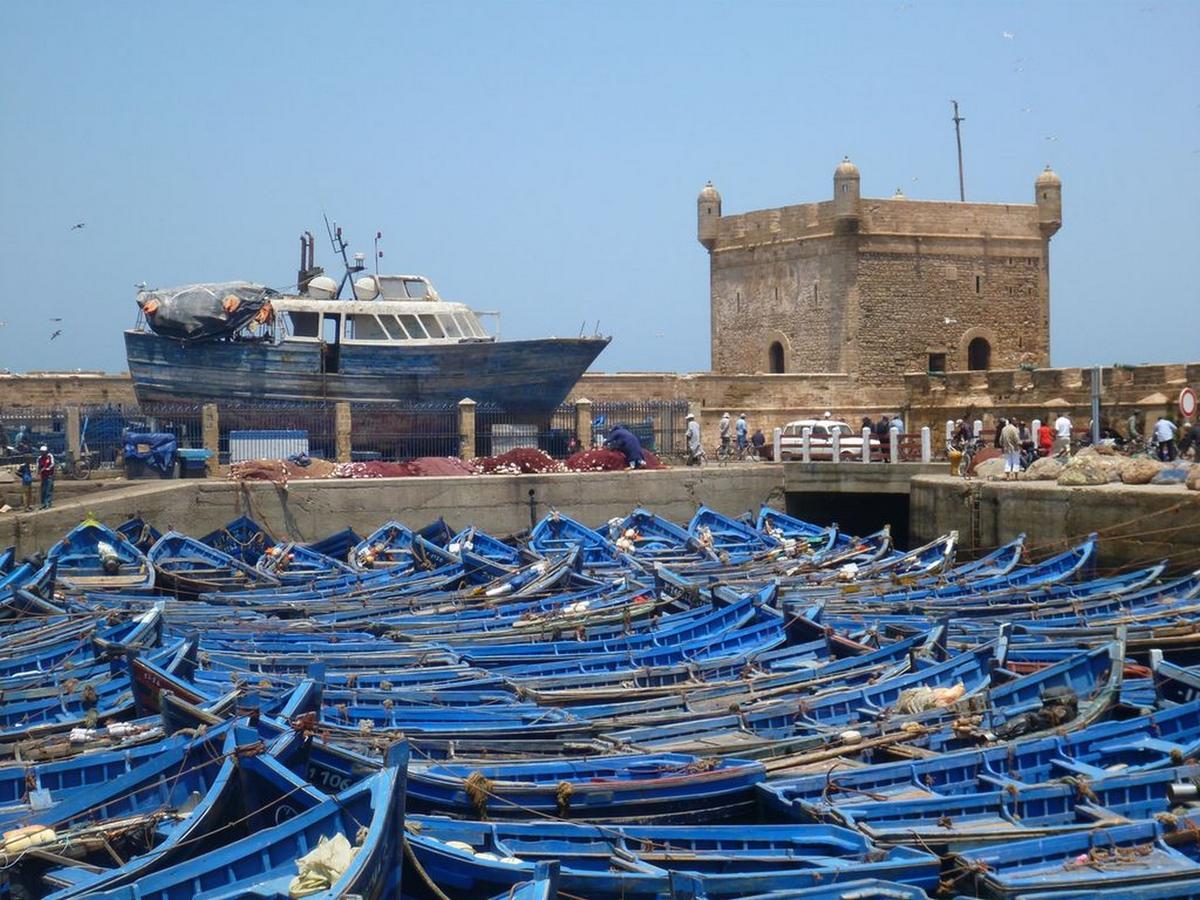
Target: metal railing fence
[396,432]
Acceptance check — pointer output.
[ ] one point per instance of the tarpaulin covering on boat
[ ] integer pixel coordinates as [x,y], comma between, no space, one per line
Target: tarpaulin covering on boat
[197,312]
[155,449]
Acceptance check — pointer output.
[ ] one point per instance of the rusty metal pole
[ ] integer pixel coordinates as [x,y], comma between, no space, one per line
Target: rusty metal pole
[958,120]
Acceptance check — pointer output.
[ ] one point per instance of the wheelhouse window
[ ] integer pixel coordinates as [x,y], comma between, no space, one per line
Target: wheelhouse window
[364,328]
[432,326]
[412,326]
[417,290]
[450,326]
[304,324]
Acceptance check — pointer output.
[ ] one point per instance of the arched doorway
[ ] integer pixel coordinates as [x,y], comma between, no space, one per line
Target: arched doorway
[775,355]
[979,354]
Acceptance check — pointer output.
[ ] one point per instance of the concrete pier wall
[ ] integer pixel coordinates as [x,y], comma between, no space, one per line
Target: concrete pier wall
[306,510]
[1139,525]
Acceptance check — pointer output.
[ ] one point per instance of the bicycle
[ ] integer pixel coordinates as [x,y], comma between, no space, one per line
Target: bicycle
[77,468]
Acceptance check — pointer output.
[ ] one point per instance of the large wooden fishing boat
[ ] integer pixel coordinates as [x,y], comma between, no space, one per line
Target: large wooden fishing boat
[391,339]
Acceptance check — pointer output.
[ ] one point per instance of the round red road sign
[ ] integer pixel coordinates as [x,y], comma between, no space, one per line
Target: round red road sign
[1187,403]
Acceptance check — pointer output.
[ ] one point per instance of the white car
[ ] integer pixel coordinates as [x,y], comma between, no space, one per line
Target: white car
[821,445]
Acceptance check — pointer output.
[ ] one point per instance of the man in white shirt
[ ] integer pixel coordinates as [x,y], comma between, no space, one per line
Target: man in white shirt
[1062,435]
[1164,437]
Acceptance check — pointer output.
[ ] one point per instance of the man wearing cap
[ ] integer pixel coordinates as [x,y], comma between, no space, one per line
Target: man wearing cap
[693,441]
[45,470]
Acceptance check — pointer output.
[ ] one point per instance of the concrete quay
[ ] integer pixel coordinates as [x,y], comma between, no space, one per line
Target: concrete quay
[1139,524]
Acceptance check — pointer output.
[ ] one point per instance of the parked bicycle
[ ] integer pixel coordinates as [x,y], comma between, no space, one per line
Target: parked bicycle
[78,468]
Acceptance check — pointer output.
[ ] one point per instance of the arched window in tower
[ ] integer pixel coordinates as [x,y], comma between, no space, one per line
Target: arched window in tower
[776,357]
[979,354]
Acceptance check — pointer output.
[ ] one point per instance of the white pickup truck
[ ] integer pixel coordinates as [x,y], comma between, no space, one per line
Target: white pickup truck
[821,446]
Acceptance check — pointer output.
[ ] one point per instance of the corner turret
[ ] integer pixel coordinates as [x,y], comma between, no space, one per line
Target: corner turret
[1047,194]
[846,195]
[708,215]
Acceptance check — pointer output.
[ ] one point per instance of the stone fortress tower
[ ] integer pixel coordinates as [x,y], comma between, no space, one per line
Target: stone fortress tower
[875,288]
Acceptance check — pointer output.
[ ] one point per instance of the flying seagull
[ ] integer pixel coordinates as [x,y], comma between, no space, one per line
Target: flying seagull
[77,226]
[56,334]
[1007,35]
[56,318]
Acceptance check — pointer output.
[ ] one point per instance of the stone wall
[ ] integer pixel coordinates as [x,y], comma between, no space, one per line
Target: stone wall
[872,287]
[58,389]
[1139,525]
[772,400]
[1043,393]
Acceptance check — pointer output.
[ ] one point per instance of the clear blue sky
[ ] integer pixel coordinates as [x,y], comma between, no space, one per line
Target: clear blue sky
[544,158]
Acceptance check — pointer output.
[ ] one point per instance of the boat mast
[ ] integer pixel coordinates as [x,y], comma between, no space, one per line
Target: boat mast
[339,246]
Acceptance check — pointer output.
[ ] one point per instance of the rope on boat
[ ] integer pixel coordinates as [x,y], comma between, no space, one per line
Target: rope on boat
[478,786]
[562,797]
[420,870]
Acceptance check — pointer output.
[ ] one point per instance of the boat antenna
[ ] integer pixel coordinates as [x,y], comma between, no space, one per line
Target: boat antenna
[583,328]
[339,246]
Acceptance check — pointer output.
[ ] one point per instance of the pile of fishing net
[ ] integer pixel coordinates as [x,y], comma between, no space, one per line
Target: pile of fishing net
[373,469]
[596,461]
[520,461]
[422,466]
[600,460]
[280,471]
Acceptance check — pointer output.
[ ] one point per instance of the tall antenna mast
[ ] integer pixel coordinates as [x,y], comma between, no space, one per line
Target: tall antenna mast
[958,120]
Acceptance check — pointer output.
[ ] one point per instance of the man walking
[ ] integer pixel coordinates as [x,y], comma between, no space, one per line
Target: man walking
[1010,446]
[742,428]
[45,469]
[1062,435]
[692,437]
[1133,427]
[724,430]
[1164,437]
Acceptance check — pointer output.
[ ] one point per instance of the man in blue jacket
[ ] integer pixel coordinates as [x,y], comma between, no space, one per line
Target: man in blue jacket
[623,441]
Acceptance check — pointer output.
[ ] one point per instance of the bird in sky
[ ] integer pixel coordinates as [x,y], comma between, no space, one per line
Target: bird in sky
[77,226]
[1007,35]
[1051,137]
[56,318]
[56,334]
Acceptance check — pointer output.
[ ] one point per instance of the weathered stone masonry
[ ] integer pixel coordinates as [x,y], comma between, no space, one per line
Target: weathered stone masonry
[876,288]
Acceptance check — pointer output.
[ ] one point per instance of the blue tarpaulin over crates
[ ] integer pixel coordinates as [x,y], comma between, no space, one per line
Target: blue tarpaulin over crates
[154,449]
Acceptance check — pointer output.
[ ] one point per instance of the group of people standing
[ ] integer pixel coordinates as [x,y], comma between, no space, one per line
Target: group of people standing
[1164,438]
[45,466]
[1021,446]
[882,427]
[730,431]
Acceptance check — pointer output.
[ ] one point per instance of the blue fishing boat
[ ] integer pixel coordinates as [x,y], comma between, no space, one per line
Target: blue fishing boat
[1140,854]
[139,532]
[636,862]
[688,886]
[93,557]
[188,568]
[640,788]
[368,815]
[243,539]
[336,545]
[393,339]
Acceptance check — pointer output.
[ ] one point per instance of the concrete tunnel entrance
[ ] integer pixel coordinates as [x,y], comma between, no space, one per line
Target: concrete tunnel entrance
[854,513]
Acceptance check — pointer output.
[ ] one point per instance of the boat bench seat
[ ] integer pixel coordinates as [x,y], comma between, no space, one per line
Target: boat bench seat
[1074,767]
[1143,744]
[66,877]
